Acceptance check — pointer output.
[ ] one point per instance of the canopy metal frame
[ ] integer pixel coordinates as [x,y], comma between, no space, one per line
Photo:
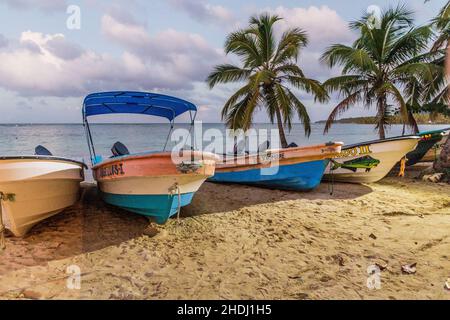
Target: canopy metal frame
[88,133]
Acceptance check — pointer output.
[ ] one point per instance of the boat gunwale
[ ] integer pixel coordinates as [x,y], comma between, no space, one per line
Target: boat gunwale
[38,157]
[225,159]
[150,154]
[410,137]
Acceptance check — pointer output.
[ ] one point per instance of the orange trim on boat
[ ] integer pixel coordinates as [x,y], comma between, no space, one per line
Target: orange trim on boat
[279,157]
[157,164]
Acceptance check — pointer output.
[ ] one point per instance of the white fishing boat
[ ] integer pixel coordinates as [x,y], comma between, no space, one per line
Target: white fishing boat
[35,187]
[369,161]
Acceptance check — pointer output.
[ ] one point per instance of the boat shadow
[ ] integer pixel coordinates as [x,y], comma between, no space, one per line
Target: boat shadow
[214,197]
[88,226]
[92,225]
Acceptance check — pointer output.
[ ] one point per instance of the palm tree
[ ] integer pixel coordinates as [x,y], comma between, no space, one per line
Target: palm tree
[382,67]
[269,68]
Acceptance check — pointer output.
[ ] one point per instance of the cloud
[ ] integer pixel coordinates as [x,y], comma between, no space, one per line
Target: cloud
[30,68]
[202,11]
[43,5]
[40,64]
[59,47]
[178,57]
[3,41]
[323,25]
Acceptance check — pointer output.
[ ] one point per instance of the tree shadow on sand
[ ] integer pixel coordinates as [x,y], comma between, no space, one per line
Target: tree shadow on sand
[213,197]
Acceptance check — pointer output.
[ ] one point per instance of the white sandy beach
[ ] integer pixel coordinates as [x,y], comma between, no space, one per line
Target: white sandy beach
[239,242]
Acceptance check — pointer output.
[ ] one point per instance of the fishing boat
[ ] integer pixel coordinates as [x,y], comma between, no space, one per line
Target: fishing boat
[427,140]
[35,187]
[155,184]
[369,161]
[434,152]
[295,168]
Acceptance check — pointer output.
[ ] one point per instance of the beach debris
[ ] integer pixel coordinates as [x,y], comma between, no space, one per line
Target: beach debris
[447,284]
[381,265]
[409,268]
[374,237]
[436,177]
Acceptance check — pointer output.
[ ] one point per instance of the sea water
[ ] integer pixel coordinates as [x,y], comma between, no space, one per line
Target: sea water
[69,140]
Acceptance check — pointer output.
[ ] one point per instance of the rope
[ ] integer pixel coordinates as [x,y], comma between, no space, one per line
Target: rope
[331,181]
[179,203]
[176,188]
[402,167]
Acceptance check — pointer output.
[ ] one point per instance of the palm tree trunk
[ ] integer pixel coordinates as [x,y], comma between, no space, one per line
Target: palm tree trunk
[281,129]
[381,106]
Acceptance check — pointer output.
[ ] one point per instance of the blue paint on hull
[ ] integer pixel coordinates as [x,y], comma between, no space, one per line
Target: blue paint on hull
[303,176]
[159,207]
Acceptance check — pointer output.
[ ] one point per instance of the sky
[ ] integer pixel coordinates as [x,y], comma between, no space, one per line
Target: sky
[50,59]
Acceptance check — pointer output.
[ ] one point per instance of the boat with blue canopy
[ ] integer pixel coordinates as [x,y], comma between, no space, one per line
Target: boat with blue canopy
[155,184]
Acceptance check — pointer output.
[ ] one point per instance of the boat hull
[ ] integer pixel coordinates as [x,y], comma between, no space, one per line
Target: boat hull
[299,169]
[435,151]
[41,188]
[369,161]
[303,176]
[153,185]
[425,145]
[158,206]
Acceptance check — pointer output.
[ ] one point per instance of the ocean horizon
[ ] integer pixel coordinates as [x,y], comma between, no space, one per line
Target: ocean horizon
[69,140]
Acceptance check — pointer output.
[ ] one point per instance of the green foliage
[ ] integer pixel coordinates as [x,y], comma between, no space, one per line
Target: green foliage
[268,72]
[384,64]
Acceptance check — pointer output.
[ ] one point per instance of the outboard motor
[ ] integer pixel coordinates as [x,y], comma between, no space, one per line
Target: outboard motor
[239,148]
[263,146]
[119,149]
[42,151]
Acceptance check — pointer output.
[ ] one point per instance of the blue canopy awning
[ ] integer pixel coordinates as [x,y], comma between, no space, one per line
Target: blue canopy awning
[152,104]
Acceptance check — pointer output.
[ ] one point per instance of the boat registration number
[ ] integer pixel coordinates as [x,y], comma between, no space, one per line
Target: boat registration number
[355,151]
[269,157]
[112,170]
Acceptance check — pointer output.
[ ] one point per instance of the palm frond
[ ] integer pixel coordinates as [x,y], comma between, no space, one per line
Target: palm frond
[301,112]
[289,46]
[225,73]
[310,86]
[343,106]
[244,46]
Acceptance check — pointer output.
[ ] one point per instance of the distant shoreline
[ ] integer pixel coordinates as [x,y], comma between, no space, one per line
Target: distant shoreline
[421,119]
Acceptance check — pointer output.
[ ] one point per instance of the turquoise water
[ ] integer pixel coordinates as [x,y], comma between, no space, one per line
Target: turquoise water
[69,140]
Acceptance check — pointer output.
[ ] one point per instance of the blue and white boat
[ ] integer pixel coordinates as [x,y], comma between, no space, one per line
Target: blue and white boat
[298,168]
[154,184]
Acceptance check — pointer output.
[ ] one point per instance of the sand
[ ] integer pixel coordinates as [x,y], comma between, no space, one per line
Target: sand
[239,242]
